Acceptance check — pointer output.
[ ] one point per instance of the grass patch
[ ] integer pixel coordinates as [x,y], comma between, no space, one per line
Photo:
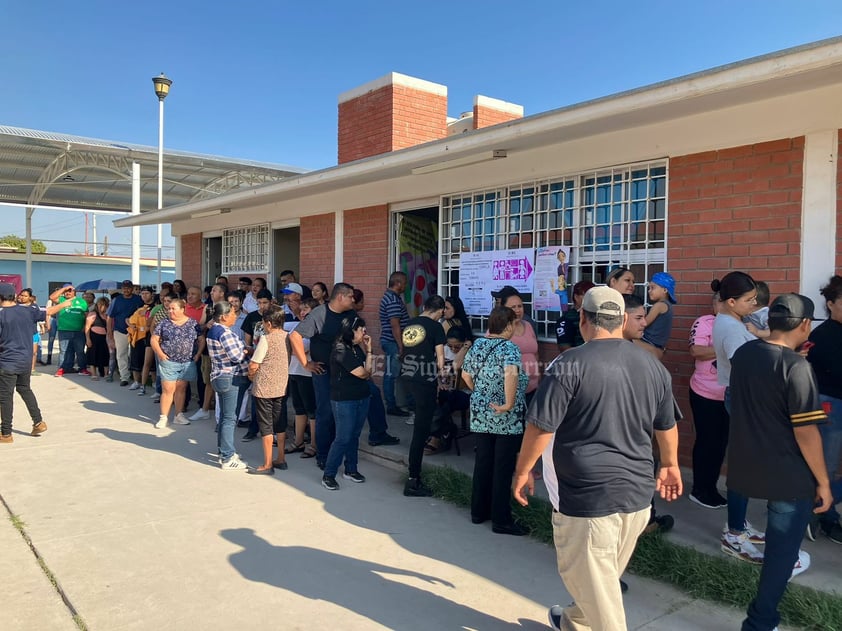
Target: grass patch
[700,575]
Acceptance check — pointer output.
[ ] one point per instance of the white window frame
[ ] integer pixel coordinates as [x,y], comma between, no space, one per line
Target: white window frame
[247,249]
[524,215]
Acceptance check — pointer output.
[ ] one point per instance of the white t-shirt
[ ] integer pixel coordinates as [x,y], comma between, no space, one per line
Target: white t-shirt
[729,334]
[295,367]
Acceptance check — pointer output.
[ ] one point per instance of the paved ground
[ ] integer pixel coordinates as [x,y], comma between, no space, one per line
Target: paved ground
[142,531]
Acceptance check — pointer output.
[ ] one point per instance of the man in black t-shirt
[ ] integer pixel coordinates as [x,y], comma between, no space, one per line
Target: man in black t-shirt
[567,326]
[321,326]
[593,418]
[775,449]
[423,360]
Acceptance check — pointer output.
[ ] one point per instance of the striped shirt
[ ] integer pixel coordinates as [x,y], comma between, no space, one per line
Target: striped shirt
[391,306]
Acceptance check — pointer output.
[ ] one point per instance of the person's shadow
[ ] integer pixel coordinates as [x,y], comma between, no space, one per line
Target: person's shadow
[358,586]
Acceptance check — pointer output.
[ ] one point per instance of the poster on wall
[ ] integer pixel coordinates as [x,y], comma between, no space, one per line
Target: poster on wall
[480,273]
[418,242]
[550,292]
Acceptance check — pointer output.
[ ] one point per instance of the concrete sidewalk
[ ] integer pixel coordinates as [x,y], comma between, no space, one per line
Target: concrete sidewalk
[143,531]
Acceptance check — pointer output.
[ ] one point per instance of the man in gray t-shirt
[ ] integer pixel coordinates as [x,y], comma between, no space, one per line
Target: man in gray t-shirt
[593,418]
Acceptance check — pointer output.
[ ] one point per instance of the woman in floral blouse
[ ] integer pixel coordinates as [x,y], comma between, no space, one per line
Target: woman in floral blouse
[492,369]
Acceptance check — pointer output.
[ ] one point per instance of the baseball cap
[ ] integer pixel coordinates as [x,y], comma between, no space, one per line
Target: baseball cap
[127,283]
[147,288]
[293,288]
[792,306]
[667,282]
[7,289]
[604,301]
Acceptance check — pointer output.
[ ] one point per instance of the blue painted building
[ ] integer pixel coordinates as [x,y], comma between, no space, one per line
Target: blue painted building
[76,269]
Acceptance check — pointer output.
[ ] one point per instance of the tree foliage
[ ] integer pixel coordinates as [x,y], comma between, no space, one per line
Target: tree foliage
[19,243]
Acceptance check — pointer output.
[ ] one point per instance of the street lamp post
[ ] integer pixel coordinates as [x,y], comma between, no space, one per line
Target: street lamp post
[162,89]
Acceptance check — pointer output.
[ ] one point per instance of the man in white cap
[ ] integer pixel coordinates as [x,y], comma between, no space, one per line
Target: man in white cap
[17,325]
[592,418]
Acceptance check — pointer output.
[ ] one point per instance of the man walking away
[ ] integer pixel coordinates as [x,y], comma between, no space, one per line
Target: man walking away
[775,449]
[393,319]
[17,324]
[593,417]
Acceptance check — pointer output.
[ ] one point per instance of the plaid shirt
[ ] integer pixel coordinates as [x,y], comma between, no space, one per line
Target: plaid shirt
[226,352]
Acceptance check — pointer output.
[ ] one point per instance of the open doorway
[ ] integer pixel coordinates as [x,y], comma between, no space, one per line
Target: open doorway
[286,251]
[213,259]
[416,251]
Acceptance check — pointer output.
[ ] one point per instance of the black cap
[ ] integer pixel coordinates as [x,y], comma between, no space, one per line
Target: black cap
[127,283]
[792,306]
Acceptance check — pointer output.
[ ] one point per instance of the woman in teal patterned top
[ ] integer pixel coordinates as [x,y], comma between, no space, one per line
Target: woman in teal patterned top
[492,370]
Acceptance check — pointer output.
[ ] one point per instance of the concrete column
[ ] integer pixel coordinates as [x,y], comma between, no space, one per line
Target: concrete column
[818,214]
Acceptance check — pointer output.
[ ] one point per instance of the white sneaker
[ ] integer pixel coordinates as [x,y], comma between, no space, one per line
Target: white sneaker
[740,547]
[802,564]
[180,419]
[200,415]
[234,464]
[141,392]
[754,535]
[156,398]
[162,422]
[135,385]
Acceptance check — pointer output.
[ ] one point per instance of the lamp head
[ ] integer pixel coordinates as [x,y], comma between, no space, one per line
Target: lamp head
[162,86]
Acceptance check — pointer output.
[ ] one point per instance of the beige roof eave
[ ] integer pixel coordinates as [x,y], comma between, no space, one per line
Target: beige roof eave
[789,71]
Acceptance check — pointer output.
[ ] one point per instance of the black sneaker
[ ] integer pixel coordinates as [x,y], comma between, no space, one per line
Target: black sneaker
[659,523]
[320,464]
[415,488]
[356,476]
[386,440]
[833,532]
[714,500]
[249,437]
[509,529]
[398,412]
[330,483]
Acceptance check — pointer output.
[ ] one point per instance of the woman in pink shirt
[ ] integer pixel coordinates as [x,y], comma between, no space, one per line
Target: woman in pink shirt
[524,338]
[710,418]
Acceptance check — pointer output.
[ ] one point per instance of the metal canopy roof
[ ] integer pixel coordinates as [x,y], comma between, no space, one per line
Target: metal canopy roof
[46,169]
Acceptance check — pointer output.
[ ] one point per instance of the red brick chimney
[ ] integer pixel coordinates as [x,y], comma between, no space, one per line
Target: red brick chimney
[488,111]
[390,113]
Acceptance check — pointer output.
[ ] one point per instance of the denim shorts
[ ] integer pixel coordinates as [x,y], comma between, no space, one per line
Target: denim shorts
[176,371]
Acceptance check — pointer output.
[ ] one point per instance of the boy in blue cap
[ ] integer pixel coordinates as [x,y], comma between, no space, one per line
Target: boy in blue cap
[659,318]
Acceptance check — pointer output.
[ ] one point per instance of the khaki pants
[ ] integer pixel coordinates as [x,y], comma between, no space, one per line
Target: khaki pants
[592,554]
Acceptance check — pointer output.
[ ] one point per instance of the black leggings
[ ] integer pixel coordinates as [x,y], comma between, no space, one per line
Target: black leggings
[711,421]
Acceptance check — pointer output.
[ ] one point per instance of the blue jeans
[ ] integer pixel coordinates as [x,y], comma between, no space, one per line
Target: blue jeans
[832,443]
[737,502]
[226,387]
[71,345]
[785,526]
[391,372]
[350,418]
[377,427]
[325,427]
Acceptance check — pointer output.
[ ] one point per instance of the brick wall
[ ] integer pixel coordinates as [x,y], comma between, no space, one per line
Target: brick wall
[487,116]
[317,254]
[732,209]
[366,243]
[191,259]
[389,118]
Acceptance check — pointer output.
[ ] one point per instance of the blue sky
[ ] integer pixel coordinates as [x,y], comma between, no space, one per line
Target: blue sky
[260,80]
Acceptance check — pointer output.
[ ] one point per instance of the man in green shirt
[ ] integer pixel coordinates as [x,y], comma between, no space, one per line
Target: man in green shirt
[70,311]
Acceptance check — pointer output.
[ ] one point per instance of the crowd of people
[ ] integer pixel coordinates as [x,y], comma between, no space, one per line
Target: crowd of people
[598,423]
